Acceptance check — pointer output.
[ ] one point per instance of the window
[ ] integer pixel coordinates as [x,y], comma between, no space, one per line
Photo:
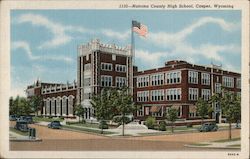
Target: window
[238,83]
[173,94]
[87,67]
[193,77]
[142,81]
[140,111]
[173,77]
[228,81]
[142,96]
[217,88]
[106,81]
[205,78]
[120,81]
[157,95]
[157,79]
[106,66]
[193,93]
[87,82]
[120,68]
[159,113]
[205,93]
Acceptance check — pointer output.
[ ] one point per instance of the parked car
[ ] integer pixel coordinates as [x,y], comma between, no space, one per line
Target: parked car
[22,125]
[208,127]
[55,125]
[28,119]
[13,118]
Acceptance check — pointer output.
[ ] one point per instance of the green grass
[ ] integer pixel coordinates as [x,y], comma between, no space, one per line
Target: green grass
[235,145]
[85,124]
[200,144]
[19,132]
[227,140]
[38,119]
[86,130]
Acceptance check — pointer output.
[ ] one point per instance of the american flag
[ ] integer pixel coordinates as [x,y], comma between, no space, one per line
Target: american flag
[139,28]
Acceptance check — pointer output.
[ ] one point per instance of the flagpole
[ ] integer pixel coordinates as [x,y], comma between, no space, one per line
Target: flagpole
[132,43]
[133,57]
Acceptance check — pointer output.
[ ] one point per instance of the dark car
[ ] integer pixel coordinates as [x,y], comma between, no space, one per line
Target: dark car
[28,119]
[13,118]
[55,125]
[22,125]
[208,127]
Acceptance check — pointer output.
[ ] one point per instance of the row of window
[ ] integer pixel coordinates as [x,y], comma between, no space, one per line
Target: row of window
[160,113]
[158,79]
[109,67]
[173,94]
[106,81]
[228,81]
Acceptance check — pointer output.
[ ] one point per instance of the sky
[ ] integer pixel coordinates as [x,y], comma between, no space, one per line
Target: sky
[44,42]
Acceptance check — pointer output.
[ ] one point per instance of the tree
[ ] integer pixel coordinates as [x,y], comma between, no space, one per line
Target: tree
[79,111]
[36,103]
[123,104]
[20,106]
[103,106]
[202,108]
[230,107]
[172,116]
[150,122]
[12,107]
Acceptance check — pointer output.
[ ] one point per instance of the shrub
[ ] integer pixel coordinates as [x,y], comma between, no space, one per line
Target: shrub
[103,125]
[162,126]
[150,122]
[118,119]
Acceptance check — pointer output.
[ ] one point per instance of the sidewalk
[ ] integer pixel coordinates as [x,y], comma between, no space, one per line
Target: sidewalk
[219,145]
[17,137]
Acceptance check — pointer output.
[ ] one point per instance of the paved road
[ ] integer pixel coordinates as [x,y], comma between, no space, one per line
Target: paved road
[63,140]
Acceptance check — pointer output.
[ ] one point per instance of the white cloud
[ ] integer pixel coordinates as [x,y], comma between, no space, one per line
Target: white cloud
[58,30]
[26,47]
[115,34]
[151,59]
[179,47]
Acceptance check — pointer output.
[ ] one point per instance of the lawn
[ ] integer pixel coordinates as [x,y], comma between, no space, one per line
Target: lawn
[200,144]
[39,119]
[19,132]
[84,129]
[227,140]
[235,145]
[93,125]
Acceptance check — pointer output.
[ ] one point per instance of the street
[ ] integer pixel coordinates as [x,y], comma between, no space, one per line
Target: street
[64,140]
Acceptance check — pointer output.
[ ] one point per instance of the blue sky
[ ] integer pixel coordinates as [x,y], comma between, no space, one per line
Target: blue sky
[44,42]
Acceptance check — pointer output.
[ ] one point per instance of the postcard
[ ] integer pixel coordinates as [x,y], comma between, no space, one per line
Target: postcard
[123,79]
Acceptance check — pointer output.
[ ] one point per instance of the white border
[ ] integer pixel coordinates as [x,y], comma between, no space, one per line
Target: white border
[6,6]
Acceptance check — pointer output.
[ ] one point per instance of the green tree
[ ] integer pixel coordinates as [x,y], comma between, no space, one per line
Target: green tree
[36,103]
[230,106]
[79,111]
[123,104]
[202,108]
[103,106]
[172,116]
[21,106]
[12,106]
[150,122]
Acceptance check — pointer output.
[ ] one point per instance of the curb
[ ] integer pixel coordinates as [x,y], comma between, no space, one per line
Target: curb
[26,140]
[211,147]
